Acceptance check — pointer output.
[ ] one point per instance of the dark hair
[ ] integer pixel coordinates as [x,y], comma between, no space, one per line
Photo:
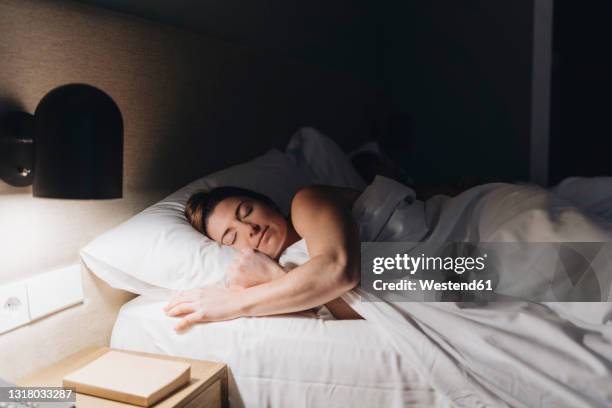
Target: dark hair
[200,205]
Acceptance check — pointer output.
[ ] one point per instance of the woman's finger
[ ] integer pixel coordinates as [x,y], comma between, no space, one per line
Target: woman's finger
[174,299]
[183,296]
[188,321]
[182,308]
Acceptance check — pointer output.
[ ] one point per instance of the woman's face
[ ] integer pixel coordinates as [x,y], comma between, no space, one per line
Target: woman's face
[242,222]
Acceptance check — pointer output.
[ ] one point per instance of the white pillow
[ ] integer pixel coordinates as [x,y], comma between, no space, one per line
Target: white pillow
[157,250]
[323,159]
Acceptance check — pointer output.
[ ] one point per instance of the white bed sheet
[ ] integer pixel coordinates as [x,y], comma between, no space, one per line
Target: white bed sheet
[285,361]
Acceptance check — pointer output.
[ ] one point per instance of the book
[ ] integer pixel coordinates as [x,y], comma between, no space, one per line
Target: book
[129,378]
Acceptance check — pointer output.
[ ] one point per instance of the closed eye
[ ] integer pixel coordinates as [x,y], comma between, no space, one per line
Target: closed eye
[244,210]
[230,238]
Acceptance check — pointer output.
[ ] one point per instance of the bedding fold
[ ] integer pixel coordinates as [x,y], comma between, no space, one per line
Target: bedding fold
[517,353]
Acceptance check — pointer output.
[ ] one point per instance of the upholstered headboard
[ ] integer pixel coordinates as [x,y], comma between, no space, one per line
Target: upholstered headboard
[190,104]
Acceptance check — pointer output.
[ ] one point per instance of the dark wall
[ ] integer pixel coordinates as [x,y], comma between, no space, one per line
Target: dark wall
[457,73]
[462,70]
[340,34]
[190,103]
[581,131]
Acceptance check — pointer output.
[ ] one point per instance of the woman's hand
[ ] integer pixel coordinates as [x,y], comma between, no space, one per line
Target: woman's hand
[207,304]
[250,268]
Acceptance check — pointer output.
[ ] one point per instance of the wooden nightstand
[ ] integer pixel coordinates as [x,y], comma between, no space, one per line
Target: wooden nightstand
[208,387]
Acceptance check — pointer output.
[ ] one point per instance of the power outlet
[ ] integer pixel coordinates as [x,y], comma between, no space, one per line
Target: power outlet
[14,307]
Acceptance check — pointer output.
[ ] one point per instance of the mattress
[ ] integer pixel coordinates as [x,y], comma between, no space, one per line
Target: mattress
[310,360]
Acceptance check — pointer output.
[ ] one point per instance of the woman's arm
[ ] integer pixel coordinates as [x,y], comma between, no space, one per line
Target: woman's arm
[251,268]
[323,217]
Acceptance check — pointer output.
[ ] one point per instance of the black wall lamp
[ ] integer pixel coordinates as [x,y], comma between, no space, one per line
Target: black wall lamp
[72,147]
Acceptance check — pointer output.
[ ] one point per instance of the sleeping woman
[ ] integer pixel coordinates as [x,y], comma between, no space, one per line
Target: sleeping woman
[329,223]
[256,284]
[332,221]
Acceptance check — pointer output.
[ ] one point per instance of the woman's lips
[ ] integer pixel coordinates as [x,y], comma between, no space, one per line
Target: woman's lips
[263,233]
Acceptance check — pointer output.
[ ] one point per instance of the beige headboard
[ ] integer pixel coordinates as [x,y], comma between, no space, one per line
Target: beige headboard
[190,104]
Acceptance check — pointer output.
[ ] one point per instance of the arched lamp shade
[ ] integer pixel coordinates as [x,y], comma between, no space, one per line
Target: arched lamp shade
[78,144]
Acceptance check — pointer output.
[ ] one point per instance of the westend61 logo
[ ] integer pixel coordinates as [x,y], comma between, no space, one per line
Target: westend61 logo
[412,264]
[487,271]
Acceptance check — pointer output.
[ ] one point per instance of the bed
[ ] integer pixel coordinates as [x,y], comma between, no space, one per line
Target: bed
[298,361]
[542,352]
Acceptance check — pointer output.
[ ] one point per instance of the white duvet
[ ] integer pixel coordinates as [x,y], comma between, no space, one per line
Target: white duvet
[519,354]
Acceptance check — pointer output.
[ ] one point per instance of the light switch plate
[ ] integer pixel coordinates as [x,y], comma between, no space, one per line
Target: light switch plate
[53,291]
[14,310]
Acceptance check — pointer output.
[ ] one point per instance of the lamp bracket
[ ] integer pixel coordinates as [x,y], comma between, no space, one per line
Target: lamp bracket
[17,148]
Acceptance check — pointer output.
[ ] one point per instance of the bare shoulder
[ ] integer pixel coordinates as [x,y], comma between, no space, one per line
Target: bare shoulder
[319,210]
[313,196]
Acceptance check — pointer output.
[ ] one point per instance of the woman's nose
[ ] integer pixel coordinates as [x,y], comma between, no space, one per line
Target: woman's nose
[254,229]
